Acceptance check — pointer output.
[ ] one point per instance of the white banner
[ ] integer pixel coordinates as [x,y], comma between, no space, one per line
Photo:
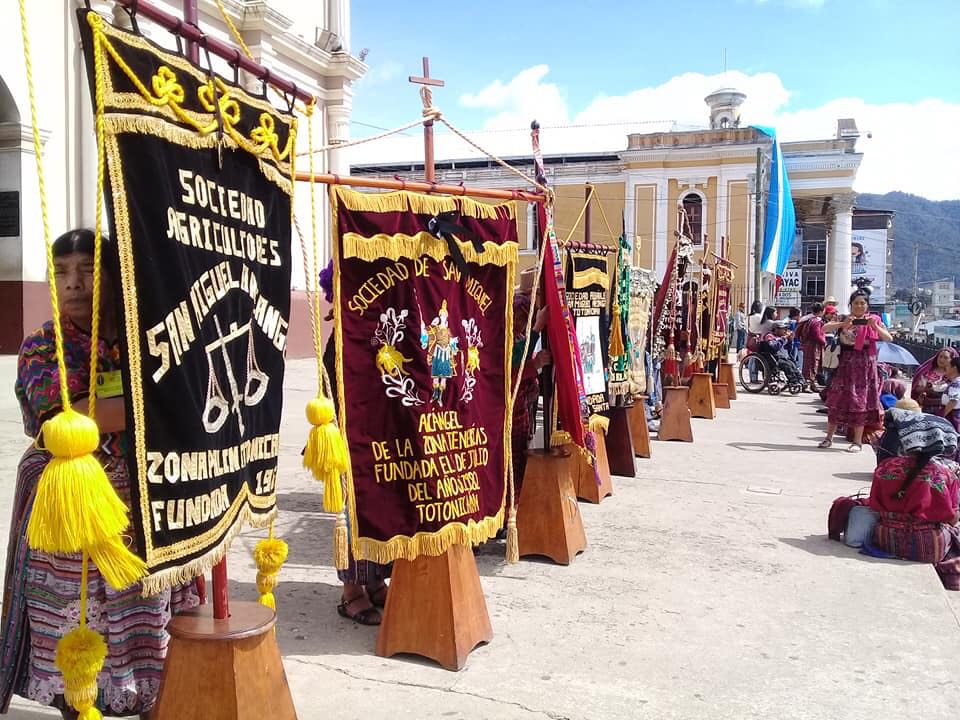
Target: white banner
[789,293]
[868,261]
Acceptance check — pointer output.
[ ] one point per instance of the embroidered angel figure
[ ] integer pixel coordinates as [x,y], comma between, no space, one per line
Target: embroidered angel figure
[442,347]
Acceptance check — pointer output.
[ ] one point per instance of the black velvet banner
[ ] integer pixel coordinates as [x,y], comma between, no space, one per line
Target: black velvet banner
[200,210]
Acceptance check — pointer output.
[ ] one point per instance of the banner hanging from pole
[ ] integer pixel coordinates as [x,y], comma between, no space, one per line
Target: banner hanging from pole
[199,178]
[423,290]
[588,282]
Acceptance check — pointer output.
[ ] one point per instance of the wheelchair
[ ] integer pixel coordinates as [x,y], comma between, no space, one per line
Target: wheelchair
[759,370]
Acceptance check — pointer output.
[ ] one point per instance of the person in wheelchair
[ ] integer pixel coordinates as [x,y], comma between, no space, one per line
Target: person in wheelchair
[775,345]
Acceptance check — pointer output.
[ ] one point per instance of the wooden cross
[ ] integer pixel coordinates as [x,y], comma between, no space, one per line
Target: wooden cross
[425,83]
[426,79]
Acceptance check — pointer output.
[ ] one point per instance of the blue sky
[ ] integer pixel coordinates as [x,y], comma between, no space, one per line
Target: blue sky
[880,51]
[893,63]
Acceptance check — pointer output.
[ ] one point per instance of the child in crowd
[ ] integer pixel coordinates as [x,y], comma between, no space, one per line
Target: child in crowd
[951,396]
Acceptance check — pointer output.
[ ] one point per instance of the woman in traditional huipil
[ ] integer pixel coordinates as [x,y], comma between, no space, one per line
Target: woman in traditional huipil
[853,398]
[42,590]
[916,495]
[929,381]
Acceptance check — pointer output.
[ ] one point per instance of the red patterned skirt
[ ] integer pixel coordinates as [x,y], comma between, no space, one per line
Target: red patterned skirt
[853,398]
[921,541]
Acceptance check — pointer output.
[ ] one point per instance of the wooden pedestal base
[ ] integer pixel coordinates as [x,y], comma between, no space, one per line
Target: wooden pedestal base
[435,608]
[721,399]
[224,669]
[639,429]
[584,480]
[727,377]
[701,396]
[620,444]
[675,420]
[548,518]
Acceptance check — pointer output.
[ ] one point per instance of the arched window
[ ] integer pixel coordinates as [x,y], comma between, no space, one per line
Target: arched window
[693,207]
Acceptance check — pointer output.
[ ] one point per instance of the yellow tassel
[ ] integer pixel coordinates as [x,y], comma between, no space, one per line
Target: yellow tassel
[326,452]
[119,567]
[513,540]
[269,554]
[616,334]
[76,507]
[341,547]
[598,423]
[79,657]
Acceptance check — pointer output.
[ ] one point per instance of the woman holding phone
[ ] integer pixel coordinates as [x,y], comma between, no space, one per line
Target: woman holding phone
[853,398]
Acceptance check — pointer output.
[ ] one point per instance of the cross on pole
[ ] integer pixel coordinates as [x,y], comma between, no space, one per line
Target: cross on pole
[426,95]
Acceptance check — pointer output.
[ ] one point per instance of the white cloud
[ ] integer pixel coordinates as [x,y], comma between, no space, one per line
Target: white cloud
[914,146]
[381,73]
[522,99]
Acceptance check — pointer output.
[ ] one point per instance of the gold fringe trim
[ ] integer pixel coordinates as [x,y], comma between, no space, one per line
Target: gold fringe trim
[559,438]
[156,582]
[395,247]
[404,547]
[585,278]
[598,423]
[144,125]
[420,204]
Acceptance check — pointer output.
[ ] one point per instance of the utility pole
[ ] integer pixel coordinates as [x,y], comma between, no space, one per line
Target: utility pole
[758,235]
[916,255]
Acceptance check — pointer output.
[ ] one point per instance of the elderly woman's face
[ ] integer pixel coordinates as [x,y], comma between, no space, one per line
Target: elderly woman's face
[73,274]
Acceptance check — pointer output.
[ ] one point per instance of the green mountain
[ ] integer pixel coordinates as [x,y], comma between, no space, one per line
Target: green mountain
[932,225]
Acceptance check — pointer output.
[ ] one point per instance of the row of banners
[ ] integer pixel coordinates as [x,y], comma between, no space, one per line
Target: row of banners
[200,181]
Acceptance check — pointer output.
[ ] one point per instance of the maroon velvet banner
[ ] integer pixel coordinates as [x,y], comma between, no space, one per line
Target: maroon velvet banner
[423,367]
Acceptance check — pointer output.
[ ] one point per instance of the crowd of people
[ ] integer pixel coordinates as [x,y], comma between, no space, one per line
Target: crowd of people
[912,511]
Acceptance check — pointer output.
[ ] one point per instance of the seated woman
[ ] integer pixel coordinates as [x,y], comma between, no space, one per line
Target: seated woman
[42,590]
[888,444]
[776,344]
[916,496]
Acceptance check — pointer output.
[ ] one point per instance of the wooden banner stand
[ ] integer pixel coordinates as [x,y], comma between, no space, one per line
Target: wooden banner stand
[585,480]
[721,398]
[435,608]
[727,377]
[548,516]
[639,429]
[620,443]
[675,420]
[224,669]
[701,396]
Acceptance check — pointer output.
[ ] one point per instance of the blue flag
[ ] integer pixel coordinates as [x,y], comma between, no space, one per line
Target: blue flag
[781,224]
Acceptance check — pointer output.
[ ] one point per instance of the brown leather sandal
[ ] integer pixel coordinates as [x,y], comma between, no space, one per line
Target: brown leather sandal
[378,596]
[367,616]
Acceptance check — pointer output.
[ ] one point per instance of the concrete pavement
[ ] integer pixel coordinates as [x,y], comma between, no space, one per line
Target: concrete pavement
[708,590]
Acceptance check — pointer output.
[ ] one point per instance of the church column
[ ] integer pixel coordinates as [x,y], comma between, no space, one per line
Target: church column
[338,132]
[339,21]
[838,254]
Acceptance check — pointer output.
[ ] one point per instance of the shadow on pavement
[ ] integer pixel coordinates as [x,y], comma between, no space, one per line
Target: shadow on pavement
[307,620]
[772,447]
[823,546]
[865,477]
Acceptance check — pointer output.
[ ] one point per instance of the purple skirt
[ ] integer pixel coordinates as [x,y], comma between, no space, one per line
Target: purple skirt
[853,398]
